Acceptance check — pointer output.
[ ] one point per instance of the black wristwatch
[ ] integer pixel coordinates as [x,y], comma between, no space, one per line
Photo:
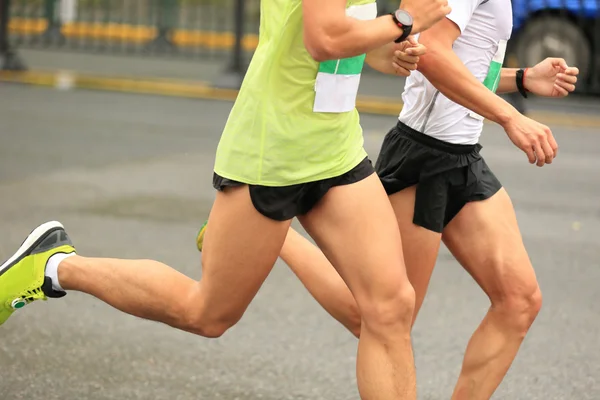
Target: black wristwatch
[405,22]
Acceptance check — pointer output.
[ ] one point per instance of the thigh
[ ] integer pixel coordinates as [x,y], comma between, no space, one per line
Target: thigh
[485,238]
[355,227]
[420,245]
[240,248]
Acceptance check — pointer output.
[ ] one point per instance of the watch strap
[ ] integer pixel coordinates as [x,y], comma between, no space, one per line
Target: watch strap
[406,30]
[520,82]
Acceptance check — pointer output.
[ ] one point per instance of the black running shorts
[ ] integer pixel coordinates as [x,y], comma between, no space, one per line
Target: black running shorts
[286,202]
[447,175]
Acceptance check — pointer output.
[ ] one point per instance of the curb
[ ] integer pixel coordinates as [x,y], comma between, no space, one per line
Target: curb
[140,34]
[68,80]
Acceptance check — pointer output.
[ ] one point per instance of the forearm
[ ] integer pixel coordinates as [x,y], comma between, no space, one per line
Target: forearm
[350,37]
[508,81]
[449,75]
[380,59]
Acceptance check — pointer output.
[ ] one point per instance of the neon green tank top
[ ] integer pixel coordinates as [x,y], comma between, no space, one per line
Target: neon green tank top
[294,120]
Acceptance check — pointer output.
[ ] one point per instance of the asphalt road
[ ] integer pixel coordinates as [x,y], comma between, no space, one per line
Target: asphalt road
[130,176]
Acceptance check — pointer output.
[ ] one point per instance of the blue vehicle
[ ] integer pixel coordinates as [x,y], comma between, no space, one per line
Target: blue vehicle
[558,28]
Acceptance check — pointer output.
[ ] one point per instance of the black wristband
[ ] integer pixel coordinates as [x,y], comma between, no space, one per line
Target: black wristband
[520,84]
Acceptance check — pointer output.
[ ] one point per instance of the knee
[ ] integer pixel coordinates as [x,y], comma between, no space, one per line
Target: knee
[211,328]
[209,331]
[389,314]
[209,322]
[519,307]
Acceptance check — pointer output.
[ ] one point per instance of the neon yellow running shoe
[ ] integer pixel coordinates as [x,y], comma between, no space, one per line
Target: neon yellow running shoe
[200,237]
[22,276]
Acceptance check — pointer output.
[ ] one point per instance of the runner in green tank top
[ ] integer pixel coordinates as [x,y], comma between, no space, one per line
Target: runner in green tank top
[292,148]
[287,127]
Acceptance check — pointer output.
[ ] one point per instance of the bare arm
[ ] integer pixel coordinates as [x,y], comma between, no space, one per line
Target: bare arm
[329,34]
[450,76]
[508,80]
[396,59]
[380,59]
[442,67]
[550,78]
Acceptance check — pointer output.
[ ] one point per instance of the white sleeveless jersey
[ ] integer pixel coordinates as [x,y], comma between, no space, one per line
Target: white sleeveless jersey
[485,27]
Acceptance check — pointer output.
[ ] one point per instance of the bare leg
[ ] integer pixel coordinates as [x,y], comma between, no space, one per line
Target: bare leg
[321,279]
[354,225]
[485,239]
[324,283]
[421,246]
[236,261]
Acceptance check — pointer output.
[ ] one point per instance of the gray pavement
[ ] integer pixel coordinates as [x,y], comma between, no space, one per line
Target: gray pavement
[130,176]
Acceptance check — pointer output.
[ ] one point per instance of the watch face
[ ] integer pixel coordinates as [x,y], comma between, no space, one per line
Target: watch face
[404,18]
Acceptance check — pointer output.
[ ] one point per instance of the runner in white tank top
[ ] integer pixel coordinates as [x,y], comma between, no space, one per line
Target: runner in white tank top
[441,188]
[485,29]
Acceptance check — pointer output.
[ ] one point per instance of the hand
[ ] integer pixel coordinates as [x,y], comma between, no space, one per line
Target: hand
[425,13]
[406,56]
[551,78]
[533,138]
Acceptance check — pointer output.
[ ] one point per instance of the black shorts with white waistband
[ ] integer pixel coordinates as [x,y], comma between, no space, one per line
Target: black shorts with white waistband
[447,175]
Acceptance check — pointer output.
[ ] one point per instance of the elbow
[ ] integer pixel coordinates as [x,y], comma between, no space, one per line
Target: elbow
[322,49]
[319,54]
[438,55]
[426,63]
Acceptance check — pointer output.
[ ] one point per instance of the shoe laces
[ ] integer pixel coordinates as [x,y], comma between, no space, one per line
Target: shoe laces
[27,298]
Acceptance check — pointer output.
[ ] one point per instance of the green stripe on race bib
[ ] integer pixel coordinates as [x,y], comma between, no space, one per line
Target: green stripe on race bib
[347,66]
[337,81]
[492,79]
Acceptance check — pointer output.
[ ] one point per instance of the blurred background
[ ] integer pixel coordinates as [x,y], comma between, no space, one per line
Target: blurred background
[110,115]
[227,30]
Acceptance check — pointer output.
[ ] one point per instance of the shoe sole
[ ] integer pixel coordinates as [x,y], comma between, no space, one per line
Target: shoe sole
[31,242]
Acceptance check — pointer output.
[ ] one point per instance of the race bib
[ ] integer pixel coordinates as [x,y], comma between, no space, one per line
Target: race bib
[336,86]
[492,79]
